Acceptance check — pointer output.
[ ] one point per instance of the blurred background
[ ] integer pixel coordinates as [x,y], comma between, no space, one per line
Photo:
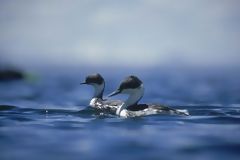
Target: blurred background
[186,52]
[138,33]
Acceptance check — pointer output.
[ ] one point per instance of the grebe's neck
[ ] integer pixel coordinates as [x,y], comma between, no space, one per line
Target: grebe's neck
[134,96]
[98,90]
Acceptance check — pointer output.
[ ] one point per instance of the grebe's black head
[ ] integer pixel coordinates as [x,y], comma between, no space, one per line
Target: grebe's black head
[129,85]
[97,81]
[94,79]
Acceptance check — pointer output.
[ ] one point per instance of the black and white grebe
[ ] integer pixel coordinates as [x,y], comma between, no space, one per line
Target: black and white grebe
[97,102]
[133,87]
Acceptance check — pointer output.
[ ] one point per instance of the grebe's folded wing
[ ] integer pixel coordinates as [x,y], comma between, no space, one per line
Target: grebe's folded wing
[138,107]
[166,109]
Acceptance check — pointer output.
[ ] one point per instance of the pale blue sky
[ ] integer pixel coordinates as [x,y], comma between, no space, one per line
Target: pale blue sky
[135,33]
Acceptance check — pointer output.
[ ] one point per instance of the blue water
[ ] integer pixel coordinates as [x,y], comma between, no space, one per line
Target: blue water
[49,118]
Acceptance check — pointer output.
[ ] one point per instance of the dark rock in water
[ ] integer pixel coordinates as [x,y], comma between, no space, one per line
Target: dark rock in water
[6,107]
[10,74]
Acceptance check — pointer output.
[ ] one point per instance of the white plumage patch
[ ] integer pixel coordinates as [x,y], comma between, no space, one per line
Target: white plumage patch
[93,102]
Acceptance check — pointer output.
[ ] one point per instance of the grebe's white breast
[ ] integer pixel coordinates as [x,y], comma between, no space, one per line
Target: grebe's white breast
[105,105]
[93,102]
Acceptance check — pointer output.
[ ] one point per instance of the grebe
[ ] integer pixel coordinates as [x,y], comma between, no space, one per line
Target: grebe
[133,87]
[97,102]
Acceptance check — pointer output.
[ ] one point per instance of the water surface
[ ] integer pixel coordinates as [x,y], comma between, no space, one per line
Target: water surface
[50,119]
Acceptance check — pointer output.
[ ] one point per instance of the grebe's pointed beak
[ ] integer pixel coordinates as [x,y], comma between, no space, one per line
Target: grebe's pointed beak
[83,83]
[114,93]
